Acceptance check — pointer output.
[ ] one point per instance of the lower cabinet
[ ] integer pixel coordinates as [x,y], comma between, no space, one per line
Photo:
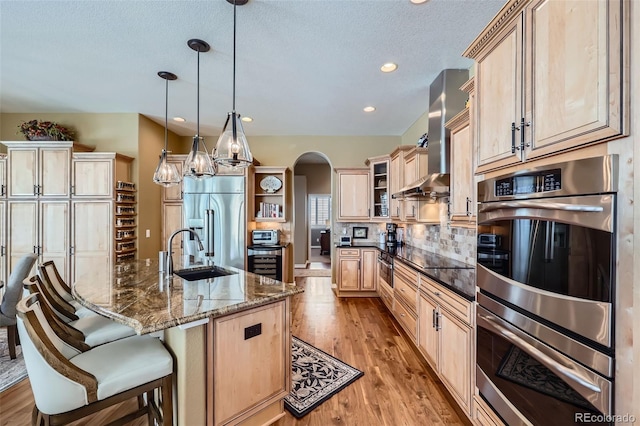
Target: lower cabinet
[445,337]
[357,271]
[483,415]
[249,365]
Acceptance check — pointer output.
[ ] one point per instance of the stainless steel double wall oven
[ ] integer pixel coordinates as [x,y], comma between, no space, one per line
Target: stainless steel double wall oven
[545,318]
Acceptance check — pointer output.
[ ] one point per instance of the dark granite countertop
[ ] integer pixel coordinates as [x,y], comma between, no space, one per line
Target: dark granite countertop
[455,275]
[137,295]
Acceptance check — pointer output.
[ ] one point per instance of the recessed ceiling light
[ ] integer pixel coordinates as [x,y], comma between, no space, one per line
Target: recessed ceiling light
[369,109]
[389,67]
[418,1]
[247,119]
[180,119]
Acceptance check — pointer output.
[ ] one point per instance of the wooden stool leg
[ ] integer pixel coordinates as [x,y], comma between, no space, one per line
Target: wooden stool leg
[11,335]
[167,401]
[150,413]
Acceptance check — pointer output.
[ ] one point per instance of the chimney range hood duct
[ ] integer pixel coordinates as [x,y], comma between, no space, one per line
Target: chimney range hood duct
[445,101]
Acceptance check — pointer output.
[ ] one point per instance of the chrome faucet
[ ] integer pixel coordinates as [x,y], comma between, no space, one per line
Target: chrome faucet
[169,260]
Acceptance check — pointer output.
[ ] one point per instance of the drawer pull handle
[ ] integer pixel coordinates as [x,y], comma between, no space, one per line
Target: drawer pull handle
[437,293]
[402,315]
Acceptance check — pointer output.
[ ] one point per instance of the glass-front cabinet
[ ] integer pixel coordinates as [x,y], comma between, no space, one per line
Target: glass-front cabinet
[380,185]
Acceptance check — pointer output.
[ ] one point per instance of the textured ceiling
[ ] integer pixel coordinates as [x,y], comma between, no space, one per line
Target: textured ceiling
[304,67]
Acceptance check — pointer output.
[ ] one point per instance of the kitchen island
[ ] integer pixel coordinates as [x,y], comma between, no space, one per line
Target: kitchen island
[230,335]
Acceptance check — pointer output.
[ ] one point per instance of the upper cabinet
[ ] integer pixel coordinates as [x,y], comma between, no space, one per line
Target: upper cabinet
[269,194]
[353,194]
[396,180]
[415,167]
[544,84]
[3,176]
[380,184]
[38,170]
[462,189]
[95,174]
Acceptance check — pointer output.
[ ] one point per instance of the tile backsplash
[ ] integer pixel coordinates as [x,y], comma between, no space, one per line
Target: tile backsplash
[456,243]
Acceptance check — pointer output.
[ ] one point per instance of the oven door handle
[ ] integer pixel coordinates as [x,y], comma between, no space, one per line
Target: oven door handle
[388,265]
[556,362]
[539,205]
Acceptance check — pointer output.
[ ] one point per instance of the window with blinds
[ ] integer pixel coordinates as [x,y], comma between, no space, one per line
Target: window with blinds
[319,210]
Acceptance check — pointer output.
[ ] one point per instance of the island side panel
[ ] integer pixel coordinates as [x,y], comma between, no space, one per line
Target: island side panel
[189,352]
[259,362]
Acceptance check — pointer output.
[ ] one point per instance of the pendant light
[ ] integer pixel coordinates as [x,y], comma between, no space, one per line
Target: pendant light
[232,149]
[166,173]
[198,163]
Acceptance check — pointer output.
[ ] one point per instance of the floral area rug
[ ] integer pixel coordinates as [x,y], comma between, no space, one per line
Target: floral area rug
[317,376]
[11,370]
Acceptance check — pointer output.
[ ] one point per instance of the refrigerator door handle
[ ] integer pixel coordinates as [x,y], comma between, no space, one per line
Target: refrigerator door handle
[210,214]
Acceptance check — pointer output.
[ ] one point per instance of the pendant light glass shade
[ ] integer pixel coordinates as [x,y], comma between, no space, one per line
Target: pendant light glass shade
[166,173]
[232,149]
[198,164]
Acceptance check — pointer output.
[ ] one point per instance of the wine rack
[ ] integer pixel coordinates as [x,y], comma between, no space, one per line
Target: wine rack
[125,221]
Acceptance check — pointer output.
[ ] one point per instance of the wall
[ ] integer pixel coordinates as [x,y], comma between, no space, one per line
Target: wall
[318,177]
[417,129]
[342,151]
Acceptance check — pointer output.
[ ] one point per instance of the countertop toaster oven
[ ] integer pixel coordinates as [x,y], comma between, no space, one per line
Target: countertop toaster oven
[266,237]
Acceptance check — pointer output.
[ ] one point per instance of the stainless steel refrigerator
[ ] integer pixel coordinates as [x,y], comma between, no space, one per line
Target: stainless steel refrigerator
[215,209]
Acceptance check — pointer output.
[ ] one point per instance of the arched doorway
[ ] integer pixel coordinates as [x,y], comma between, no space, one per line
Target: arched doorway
[312,218]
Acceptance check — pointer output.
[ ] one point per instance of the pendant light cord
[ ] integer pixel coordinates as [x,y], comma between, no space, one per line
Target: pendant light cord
[234,55]
[198,99]
[166,112]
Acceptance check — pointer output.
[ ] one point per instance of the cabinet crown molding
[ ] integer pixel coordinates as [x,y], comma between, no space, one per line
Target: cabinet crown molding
[458,120]
[508,12]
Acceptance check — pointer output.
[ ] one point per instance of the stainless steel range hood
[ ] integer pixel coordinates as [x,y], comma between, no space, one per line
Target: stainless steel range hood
[445,101]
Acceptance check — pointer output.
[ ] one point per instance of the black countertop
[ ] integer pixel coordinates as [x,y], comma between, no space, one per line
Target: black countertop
[457,276]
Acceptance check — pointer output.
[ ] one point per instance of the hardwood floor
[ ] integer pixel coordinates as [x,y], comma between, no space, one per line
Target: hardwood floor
[397,389]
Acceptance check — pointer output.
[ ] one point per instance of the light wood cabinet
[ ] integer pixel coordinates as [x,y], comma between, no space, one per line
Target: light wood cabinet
[174,193]
[483,415]
[357,271]
[3,244]
[445,337]
[38,170]
[106,175]
[95,174]
[462,194]
[3,176]
[353,194]
[544,85]
[40,227]
[92,239]
[172,221]
[268,204]
[379,171]
[249,374]
[405,289]
[415,167]
[396,181]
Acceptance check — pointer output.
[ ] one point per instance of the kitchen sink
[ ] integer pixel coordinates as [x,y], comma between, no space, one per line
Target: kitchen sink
[203,273]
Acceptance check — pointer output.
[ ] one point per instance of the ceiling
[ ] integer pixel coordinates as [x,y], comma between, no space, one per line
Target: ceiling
[304,67]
